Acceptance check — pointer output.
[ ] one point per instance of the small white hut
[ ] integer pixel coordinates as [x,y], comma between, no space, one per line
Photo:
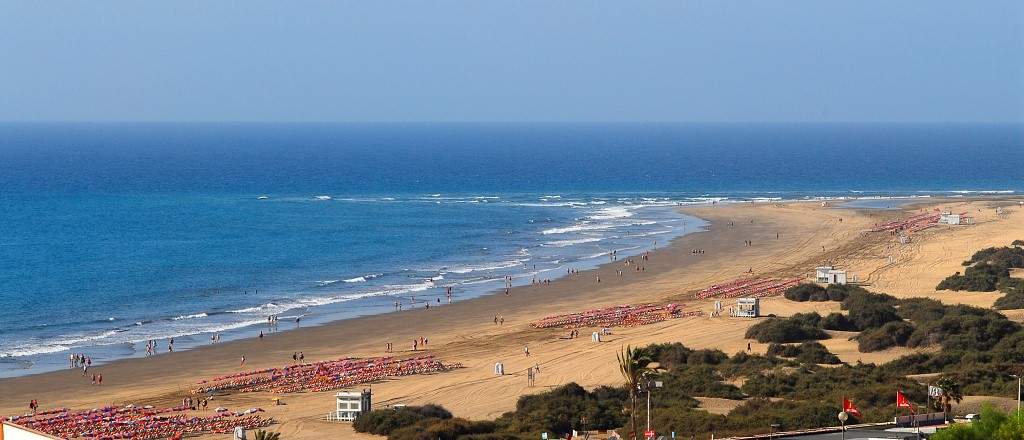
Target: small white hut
[349,404]
[948,218]
[748,307]
[830,275]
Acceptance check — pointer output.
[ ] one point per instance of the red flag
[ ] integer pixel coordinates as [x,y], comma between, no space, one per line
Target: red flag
[902,402]
[850,409]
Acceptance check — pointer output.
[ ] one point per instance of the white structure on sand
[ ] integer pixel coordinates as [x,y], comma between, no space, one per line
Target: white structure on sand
[830,275]
[350,404]
[948,218]
[748,307]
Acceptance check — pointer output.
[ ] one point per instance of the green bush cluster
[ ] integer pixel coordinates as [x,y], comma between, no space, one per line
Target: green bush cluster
[993,425]
[891,334]
[813,292]
[383,422]
[988,270]
[838,322]
[798,328]
[808,353]
[559,411]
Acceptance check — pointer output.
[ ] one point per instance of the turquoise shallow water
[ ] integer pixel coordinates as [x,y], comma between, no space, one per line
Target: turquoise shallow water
[116,234]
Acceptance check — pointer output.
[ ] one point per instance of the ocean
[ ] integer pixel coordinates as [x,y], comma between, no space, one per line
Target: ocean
[115,234]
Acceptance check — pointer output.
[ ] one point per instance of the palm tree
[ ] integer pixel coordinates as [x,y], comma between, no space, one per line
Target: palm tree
[633,364]
[265,435]
[951,392]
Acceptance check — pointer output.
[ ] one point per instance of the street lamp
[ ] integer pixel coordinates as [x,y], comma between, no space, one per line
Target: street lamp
[843,416]
[650,384]
[774,426]
[1018,377]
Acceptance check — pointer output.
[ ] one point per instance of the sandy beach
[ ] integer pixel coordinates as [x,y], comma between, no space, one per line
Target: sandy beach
[788,240]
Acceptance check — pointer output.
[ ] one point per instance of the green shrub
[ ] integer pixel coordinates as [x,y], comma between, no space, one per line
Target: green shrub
[698,380]
[892,334]
[993,425]
[558,411]
[838,322]
[807,353]
[384,421]
[711,357]
[1010,301]
[964,328]
[867,315]
[669,355]
[806,292]
[442,429]
[784,350]
[982,277]
[799,328]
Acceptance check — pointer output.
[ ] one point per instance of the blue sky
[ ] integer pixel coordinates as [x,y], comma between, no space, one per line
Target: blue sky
[697,61]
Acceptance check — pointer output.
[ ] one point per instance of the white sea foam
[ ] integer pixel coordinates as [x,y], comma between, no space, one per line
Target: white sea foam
[363,278]
[323,197]
[194,316]
[579,227]
[997,191]
[488,266]
[612,213]
[564,243]
[258,309]
[56,345]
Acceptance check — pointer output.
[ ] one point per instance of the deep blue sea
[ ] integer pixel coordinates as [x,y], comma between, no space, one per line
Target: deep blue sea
[114,234]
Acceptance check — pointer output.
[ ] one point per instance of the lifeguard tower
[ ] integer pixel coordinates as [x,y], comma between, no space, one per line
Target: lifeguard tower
[748,307]
[349,404]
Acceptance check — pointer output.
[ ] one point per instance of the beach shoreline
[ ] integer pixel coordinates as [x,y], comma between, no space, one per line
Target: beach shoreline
[514,307]
[464,332]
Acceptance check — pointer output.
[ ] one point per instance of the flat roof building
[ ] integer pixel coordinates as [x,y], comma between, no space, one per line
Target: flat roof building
[748,307]
[830,275]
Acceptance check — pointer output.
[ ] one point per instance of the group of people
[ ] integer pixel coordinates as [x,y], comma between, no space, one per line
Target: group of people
[79,360]
[499,320]
[696,251]
[748,243]
[298,357]
[194,404]
[417,344]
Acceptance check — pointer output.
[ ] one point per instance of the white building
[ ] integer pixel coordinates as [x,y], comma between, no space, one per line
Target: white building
[748,307]
[948,218]
[350,404]
[830,275]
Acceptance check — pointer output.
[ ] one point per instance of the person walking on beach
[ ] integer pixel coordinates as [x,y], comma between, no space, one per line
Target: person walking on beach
[526,350]
[99,379]
[295,357]
[415,345]
[302,357]
[501,321]
[242,364]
